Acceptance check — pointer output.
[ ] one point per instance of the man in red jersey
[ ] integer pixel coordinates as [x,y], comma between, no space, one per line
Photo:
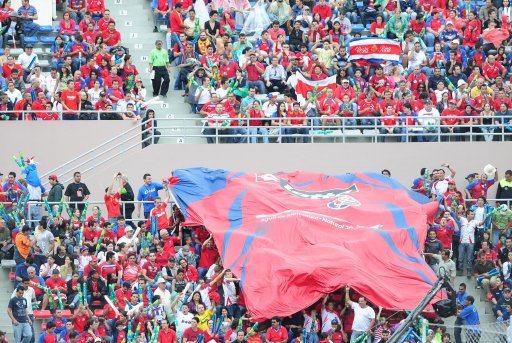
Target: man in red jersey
[70,100]
[166,334]
[452,122]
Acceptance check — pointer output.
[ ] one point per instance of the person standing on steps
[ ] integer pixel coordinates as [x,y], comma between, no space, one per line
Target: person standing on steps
[159,69]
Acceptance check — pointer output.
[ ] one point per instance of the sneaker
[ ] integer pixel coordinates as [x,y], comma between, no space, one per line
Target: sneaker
[478,287]
[155,29]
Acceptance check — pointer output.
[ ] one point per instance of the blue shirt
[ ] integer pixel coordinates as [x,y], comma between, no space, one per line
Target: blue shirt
[30,11]
[21,271]
[470,315]
[148,194]
[461,297]
[62,328]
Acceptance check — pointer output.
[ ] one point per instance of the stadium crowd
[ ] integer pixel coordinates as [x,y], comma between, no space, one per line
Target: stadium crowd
[91,74]
[453,68]
[138,273]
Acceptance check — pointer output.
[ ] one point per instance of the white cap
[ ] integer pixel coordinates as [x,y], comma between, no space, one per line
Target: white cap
[160,280]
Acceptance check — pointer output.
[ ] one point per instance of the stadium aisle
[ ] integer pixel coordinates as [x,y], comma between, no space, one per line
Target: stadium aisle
[136,28]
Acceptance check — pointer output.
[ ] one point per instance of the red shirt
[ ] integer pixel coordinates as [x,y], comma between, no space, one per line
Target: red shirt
[90,37]
[417,27]
[105,268]
[373,105]
[80,321]
[159,212]
[329,105]
[325,11]
[71,99]
[450,121]
[191,273]
[493,70]
[90,235]
[176,20]
[95,6]
[208,257]
[228,70]
[115,37]
[131,273]
[112,204]
[191,335]
[167,337]
[7,71]
[435,24]
[151,269]
[379,83]
[163,258]
[389,119]
[415,80]
[53,284]
[299,114]
[279,335]
[254,114]
[103,24]
[82,27]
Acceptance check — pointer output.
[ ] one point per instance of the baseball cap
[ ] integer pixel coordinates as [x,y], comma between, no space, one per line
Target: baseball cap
[506,290]
[455,41]
[29,46]
[453,102]
[461,82]
[164,232]
[94,258]
[53,177]
[334,322]
[344,80]
[103,94]
[449,23]
[451,182]
[129,228]
[314,57]
[82,249]
[160,280]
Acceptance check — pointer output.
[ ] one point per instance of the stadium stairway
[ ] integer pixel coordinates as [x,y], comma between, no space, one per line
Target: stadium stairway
[135,23]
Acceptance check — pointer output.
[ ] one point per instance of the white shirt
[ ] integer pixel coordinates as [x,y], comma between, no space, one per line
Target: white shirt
[47,270]
[204,97]
[205,296]
[441,186]
[327,317]
[184,321]
[50,83]
[94,95]
[428,118]
[14,96]
[269,109]
[479,214]
[467,231]
[26,60]
[230,297]
[417,58]
[362,317]
[29,295]
[222,93]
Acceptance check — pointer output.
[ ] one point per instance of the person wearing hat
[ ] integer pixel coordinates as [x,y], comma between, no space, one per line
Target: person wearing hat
[428,119]
[255,71]
[336,334]
[55,193]
[27,59]
[448,35]
[500,309]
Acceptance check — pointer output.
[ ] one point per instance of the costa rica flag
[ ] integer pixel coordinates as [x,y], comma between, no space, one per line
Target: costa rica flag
[374,49]
[293,237]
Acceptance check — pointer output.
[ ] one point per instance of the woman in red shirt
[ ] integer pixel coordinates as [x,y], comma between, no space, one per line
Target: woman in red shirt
[67,27]
[131,270]
[162,256]
[227,24]
[209,334]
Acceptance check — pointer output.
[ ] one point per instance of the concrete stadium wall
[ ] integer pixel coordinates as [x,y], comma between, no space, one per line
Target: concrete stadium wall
[404,160]
[53,143]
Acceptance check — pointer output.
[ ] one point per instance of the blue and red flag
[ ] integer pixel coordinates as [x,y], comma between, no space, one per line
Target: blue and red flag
[292,237]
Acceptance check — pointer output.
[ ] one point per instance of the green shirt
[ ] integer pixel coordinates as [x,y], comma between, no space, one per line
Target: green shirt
[503,219]
[158,58]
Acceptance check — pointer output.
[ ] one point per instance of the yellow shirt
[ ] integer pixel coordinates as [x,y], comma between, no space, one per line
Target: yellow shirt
[204,318]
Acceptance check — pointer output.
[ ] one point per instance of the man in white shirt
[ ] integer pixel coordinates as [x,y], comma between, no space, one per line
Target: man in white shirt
[364,317]
[270,107]
[27,60]
[440,186]
[328,314]
[51,81]
[467,240]
[428,118]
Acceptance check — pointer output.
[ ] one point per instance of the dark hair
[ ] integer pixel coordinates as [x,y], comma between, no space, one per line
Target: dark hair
[147,174]
[470,299]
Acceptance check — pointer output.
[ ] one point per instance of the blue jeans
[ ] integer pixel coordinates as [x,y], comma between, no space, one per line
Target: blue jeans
[431,135]
[368,122]
[234,310]
[466,254]
[496,235]
[212,135]
[202,272]
[56,62]
[397,130]
[297,130]
[355,335]
[22,333]
[35,214]
[31,28]
[259,85]
[255,131]
[429,39]
[31,316]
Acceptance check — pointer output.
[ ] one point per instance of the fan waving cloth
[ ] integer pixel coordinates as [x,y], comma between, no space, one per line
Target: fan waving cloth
[293,237]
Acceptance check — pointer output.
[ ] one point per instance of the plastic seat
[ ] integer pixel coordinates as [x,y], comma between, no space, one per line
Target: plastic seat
[47,39]
[46,29]
[67,314]
[42,314]
[357,27]
[31,40]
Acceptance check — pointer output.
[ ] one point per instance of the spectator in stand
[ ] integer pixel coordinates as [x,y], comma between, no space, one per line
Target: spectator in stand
[364,318]
[27,14]
[17,311]
[77,9]
[147,193]
[504,190]
[77,192]
[97,8]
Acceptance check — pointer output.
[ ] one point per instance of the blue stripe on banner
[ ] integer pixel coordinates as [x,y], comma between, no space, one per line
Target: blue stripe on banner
[235,220]
[418,197]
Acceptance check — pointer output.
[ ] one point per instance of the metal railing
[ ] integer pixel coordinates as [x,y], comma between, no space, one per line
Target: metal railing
[225,129]
[101,204]
[35,115]
[104,152]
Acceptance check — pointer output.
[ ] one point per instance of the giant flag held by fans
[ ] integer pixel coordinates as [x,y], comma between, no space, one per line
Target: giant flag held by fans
[293,237]
[374,49]
[303,85]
